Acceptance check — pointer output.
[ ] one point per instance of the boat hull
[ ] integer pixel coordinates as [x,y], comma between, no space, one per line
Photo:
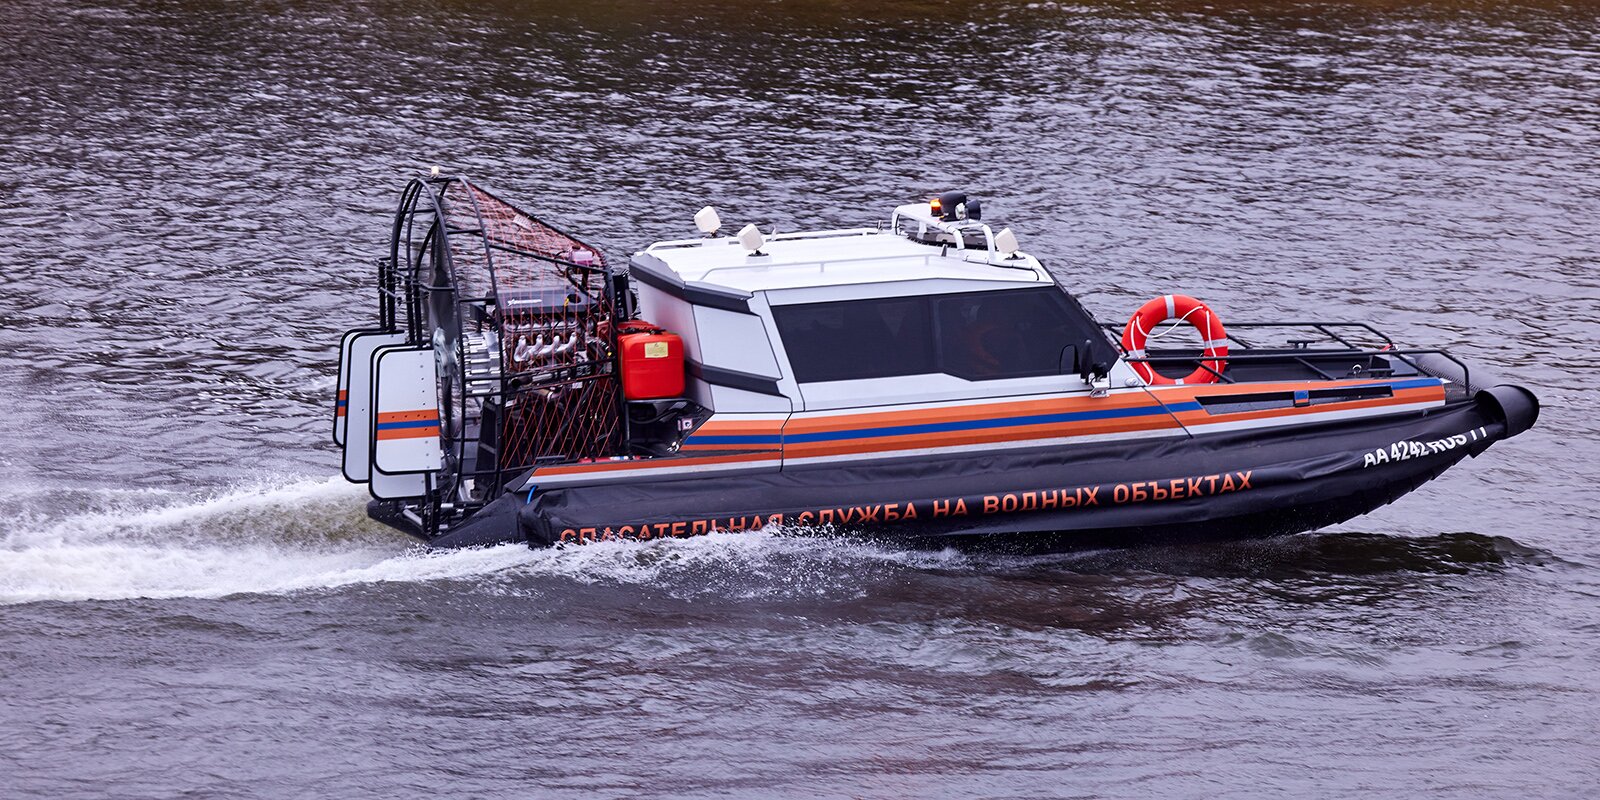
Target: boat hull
[1248,483]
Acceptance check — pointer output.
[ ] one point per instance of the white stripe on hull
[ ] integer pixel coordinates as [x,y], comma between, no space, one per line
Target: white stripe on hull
[1307,418]
[617,475]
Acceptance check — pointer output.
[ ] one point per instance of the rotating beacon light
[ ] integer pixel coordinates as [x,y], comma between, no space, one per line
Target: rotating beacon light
[954,207]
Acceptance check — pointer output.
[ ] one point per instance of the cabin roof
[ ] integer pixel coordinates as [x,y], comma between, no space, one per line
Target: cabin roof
[833,258]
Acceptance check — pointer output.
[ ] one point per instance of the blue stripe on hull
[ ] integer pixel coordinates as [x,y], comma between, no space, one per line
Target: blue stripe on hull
[990,424]
[411,423]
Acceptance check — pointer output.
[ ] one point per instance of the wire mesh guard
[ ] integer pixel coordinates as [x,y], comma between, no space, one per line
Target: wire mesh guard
[520,314]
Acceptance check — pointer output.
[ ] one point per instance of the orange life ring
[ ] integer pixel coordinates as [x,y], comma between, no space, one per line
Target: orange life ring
[1186,309]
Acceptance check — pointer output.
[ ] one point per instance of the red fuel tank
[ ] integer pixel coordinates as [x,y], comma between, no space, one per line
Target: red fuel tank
[652,362]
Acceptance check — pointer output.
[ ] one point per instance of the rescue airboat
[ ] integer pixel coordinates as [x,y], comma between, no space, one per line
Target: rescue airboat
[922,378]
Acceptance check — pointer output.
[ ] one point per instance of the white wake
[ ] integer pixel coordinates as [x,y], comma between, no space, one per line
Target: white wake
[303,534]
[274,537]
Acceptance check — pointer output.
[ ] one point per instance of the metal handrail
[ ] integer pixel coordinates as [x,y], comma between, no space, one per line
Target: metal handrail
[1326,328]
[1466,375]
[1321,326]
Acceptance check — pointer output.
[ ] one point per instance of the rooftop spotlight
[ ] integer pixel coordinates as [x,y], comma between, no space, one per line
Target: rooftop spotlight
[750,236]
[707,221]
[1006,242]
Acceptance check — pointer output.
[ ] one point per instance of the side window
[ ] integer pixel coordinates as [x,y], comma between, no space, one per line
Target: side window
[856,339]
[976,336]
[992,335]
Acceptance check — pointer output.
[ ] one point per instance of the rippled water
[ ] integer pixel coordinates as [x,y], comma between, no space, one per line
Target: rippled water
[193,605]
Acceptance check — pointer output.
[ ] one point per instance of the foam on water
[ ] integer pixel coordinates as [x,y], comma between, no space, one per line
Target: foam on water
[271,537]
[310,533]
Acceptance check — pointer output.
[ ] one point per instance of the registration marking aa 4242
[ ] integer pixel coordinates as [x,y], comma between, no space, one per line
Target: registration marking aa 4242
[1408,449]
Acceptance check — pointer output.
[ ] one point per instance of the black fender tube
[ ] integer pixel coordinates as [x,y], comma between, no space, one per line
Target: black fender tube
[495,523]
[1514,404]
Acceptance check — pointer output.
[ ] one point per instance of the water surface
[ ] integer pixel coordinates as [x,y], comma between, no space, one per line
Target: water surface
[193,191]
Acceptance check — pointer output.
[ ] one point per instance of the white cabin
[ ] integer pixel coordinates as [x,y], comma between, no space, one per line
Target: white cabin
[925,310]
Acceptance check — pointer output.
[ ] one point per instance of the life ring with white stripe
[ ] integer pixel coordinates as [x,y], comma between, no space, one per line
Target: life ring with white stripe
[1184,309]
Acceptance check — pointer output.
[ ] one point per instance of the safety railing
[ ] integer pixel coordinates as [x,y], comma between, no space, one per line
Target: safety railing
[1302,352]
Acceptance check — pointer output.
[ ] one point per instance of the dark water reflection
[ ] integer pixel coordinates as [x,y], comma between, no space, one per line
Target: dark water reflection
[192,191]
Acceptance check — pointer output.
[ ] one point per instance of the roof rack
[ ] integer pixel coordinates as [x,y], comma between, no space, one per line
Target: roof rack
[923,216]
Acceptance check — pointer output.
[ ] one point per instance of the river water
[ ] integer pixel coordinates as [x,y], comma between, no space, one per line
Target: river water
[192,605]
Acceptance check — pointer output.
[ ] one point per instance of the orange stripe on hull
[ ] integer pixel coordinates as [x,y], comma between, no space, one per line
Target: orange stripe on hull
[712,427]
[408,433]
[1021,433]
[1155,419]
[802,425]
